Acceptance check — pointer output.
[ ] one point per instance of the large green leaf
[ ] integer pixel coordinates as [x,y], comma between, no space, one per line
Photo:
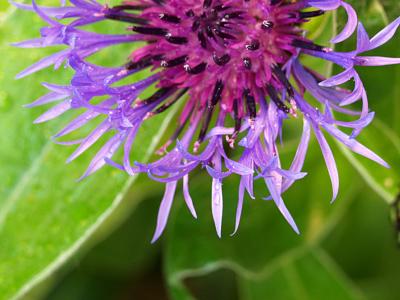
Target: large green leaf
[116,265]
[45,215]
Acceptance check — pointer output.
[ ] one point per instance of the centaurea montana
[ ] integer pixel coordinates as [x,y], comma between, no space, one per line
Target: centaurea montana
[229,62]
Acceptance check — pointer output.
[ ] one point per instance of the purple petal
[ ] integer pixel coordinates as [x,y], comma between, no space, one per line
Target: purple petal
[217,174]
[48,98]
[350,26]
[68,143]
[77,123]
[187,197]
[217,204]
[338,79]
[41,13]
[363,43]
[54,112]
[106,152]
[49,11]
[280,204]
[239,205]
[355,95]
[376,60]
[90,140]
[329,160]
[237,168]
[33,43]
[360,123]
[290,175]
[127,149]
[44,63]
[384,35]
[325,4]
[164,210]
[354,145]
[300,156]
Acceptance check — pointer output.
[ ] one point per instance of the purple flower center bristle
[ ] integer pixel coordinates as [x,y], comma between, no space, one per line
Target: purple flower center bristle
[236,68]
[222,53]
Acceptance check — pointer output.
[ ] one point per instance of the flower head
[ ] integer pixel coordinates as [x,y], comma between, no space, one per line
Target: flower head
[226,62]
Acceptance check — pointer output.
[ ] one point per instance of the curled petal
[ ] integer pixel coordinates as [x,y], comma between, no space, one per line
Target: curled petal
[325,4]
[237,168]
[339,78]
[217,174]
[350,26]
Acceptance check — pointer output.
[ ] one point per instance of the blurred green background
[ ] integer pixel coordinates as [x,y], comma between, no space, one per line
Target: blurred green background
[60,239]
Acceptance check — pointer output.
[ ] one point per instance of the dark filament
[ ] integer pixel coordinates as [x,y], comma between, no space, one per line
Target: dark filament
[238,120]
[207,3]
[142,63]
[250,103]
[195,70]
[179,40]
[202,39]
[160,93]
[254,45]
[150,30]
[310,14]
[234,15]
[174,62]
[267,25]
[158,2]
[308,45]
[167,105]
[247,63]
[216,96]
[283,79]
[127,18]
[223,35]
[222,60]
[128,7]
[275,98]
[170,18]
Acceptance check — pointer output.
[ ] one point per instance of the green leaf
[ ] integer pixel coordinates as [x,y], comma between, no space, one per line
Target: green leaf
[304,275]
[45,215]
[117,263]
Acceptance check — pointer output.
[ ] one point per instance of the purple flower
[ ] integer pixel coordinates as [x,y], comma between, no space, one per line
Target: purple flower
[228,62]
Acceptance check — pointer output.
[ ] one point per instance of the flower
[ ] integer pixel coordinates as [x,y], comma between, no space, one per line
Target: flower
[237,61]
